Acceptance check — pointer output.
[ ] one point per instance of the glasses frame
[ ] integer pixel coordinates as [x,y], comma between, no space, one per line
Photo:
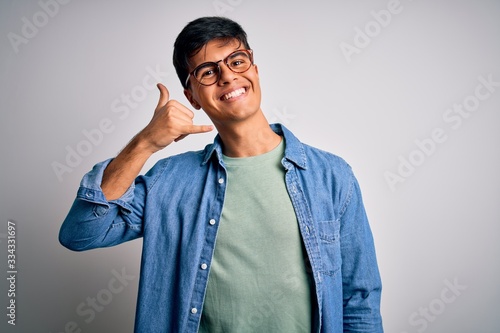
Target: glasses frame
[249,52]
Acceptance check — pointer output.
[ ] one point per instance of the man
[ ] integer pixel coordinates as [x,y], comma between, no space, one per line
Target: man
[294,249]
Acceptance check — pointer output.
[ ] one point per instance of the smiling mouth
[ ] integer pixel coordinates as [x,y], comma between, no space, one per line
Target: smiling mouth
[233,94]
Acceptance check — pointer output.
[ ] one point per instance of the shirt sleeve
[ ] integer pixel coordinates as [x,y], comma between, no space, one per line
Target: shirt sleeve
[94,222]
[361,281]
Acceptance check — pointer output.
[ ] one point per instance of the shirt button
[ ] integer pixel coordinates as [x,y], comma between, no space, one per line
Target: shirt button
[221,180]
[88,194]
[212,222]
[204,266]
[194,310]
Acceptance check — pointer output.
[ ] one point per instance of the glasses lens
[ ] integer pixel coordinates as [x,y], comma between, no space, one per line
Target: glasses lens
[207,73]
[239,61]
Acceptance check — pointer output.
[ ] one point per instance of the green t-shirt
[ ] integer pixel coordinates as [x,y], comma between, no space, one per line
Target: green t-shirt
[258,280]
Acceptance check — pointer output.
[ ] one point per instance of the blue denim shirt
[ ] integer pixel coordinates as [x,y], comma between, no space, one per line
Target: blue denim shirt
[177,206]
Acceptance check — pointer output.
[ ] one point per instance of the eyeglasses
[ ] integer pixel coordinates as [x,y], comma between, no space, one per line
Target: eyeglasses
[209,73]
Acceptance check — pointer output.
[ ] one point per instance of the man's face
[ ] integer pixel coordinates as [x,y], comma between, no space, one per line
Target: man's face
[235,97]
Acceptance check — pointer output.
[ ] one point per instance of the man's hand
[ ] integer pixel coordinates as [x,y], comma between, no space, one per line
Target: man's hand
[172,121]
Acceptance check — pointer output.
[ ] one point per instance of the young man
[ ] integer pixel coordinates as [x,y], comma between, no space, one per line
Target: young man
[256,233]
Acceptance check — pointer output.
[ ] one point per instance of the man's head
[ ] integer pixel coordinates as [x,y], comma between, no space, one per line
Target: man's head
[215,65]
[197,34]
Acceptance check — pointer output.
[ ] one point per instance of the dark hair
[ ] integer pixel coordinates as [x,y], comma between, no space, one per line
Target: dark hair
[197,34]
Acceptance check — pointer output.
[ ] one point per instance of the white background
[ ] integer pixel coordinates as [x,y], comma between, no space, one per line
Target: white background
[439,226]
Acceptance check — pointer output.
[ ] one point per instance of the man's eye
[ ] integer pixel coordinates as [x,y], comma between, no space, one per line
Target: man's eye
[237,63]
[208,72]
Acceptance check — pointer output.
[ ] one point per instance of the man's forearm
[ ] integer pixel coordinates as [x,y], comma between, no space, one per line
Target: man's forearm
[122,171]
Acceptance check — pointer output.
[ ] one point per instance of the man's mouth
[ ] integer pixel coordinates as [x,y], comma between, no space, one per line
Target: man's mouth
[233,94]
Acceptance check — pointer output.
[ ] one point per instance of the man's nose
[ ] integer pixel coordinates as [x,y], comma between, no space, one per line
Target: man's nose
[226,74]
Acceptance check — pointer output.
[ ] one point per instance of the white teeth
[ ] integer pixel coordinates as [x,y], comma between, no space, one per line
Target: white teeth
[235,93]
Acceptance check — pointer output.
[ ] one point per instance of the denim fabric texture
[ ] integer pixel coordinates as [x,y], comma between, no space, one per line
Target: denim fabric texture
[176,207]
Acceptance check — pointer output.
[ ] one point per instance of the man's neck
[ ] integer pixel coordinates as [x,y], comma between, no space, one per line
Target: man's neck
[248,138]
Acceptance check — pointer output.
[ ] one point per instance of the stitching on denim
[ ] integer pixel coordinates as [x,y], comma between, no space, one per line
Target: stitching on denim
[116,225]
[348,199]
[325,237]
[165,162]
[332,273]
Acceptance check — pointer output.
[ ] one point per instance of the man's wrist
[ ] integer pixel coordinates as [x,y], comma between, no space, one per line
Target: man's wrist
[140,146]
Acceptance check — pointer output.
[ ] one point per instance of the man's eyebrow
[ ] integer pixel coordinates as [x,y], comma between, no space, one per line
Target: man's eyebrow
[233,54]
[237,53]
[205,64]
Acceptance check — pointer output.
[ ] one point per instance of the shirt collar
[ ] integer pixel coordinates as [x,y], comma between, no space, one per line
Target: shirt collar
[294,150]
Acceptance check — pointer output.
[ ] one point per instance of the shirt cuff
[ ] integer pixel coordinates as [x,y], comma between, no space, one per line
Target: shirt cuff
[90,188]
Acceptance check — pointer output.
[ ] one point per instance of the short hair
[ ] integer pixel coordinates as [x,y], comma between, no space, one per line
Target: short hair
[197,34]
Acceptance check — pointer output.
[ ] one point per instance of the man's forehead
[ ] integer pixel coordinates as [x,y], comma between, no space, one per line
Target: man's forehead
[211,50]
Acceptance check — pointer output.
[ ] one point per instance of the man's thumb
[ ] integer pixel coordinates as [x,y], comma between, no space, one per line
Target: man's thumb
[164,95]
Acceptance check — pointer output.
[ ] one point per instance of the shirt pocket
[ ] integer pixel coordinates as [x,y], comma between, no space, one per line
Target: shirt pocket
[329,246]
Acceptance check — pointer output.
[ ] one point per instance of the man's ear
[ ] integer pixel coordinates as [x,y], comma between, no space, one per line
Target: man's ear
[189,96]
[256,69]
